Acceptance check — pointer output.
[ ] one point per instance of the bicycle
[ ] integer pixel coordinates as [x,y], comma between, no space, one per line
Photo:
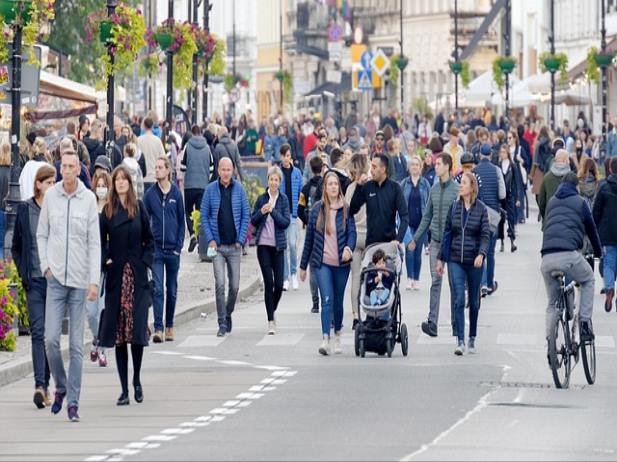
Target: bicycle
[562,347]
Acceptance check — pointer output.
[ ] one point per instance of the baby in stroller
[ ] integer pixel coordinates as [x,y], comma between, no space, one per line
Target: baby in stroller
[379,287]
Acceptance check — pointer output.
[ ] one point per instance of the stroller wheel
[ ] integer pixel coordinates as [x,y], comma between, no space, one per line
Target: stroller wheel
[357,339]
[404,336]
[389,346]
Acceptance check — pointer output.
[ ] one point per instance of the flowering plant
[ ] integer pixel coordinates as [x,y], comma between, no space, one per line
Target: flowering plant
[8,311]
[178,39]
[30,15]
[123,32]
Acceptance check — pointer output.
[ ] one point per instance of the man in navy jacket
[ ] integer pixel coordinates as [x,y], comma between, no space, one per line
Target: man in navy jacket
[166,209]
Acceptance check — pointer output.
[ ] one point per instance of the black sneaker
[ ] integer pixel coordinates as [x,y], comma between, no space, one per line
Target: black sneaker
[355,323]
[494,289]
[608,304]
[193,243]
[587,334]
[73,415]
[483,292]
[315,309]
[222,331]
[229,324]
[429,328]
[57,405]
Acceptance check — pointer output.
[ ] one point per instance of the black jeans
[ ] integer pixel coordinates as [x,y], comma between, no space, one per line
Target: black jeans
[271,262]
[192,199]
[35,297]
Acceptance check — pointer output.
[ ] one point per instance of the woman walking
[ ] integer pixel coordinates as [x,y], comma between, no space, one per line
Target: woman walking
[328,246]
[26,255]
[102,184]
[512,178]
[128,249]
[358,166]
[588,177]
[468,226]
[416,189]
[271,219]
[522,160]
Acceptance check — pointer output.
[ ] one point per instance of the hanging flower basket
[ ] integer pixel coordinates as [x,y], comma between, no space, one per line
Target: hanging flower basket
[456,67]
[13,9]
[553,63]
[603,59]
[402,62]
[502,65]
[123,34]
[507,65]
[280,76]
[164,40]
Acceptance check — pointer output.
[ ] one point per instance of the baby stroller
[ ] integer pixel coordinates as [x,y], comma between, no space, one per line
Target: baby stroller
[382,327]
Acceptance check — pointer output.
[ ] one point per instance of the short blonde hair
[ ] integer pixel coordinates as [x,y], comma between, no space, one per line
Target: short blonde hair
[474,185]
[274,170]
[5,155]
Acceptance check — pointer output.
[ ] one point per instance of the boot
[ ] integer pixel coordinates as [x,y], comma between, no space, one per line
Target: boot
[501,248]
[513,247]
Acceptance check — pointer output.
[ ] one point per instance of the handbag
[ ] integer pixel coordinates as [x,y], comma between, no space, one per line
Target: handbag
[494,218]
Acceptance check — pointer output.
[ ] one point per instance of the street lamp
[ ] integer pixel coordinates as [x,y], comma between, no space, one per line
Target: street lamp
[196,4]
[280,52]
[110,135]
[508,52]
[170,72]
[604,68]
[552,72]
[456,56]
[204,109]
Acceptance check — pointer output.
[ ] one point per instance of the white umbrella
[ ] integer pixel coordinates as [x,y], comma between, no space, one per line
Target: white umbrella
[483,89]
[520,96]
[539,83]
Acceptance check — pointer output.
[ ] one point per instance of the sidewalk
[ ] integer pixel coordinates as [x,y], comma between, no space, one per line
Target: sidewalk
[195,296]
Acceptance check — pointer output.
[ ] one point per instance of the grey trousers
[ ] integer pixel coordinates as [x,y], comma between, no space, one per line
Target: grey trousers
[227,260]
[436,281]
[356,280]
[59,297]
[576,268]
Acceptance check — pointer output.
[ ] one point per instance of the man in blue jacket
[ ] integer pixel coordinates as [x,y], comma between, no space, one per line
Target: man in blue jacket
[225,215]
[291,186]
[166,209]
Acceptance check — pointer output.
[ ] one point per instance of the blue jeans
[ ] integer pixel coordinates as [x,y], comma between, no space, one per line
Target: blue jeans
[291,252]
[58,299]
[462,276]
[165,269]
[488,273]
[227,260]
[332,281]
[610,266]
[35,297]
[413,260]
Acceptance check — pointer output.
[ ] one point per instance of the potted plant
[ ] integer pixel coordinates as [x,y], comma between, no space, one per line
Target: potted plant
[230,81]
[8,316]
[31,16]
[286,80]
[502,65]
[178,39]
[123,32]
[596,61]
[553,63]
[398,63]
[461,68]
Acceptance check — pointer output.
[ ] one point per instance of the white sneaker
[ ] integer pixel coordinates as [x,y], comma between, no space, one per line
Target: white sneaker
[416,285]
[338,348]
[271,328]
[286,285]
[460,349]
[409,284]
[324,349]
[294,281]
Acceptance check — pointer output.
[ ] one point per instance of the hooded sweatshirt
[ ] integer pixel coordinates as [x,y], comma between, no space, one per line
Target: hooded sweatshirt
[197,157]
[551,182]
[136,176]
[605,211]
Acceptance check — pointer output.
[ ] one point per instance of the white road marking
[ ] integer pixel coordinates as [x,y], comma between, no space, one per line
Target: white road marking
[231,403]
[96,458]
[193,341]
[280,340]
[159,438]
[271,368]
[167,352]
[199,358]
[194,424]
[284,373]
[123,452]
[234,363]
[203,418]
[137,445]
[441,340]
[177,431]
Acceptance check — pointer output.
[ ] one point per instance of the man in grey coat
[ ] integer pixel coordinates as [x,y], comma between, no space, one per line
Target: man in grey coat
[226,147]
[196,166]
[69,244]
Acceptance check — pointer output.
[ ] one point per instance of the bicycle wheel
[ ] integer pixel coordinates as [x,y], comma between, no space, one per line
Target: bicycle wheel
[558,354]
[588,351]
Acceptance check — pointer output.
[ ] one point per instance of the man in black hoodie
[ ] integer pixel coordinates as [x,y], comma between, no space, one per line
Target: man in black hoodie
[605,217]
[337,158]
[568,220]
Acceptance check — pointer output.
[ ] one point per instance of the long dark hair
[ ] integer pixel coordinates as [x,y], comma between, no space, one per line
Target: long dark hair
[113,204]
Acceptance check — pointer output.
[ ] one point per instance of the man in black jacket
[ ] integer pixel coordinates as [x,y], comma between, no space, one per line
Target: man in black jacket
[605,217]
[337,159]
[384,200]
[568,220]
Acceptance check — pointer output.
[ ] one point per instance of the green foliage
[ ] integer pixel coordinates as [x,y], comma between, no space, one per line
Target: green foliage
[150,66]
[498,72]
[217,61]
[254,189]
[465,74]
[196,219]
[420,105]
[288,84]
[593,70]
[8,311]
[562,58]
[230,82]
[394,70]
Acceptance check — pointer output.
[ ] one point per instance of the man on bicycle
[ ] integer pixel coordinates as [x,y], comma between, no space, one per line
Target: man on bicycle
[567,220]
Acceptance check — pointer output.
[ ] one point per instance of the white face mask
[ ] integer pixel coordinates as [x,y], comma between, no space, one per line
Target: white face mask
[101,193]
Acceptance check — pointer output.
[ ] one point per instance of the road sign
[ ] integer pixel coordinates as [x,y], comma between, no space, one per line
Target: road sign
[366,60]
[380,63]
[335,32]
[30,81]
[365,82]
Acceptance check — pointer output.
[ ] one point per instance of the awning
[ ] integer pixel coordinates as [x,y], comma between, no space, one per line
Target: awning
[331,87]
[581,68]
[482,90]
[60,87]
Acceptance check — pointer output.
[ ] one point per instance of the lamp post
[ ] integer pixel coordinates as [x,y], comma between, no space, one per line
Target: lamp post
[508,52]
[280,52]
[456,55]
[233,104]
[13,198]
[170,73]
[195,66]
[204,109]
[604,69]
[402,77]
[110,135]
[552,5]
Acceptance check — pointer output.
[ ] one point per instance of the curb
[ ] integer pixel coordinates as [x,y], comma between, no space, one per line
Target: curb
[20,368]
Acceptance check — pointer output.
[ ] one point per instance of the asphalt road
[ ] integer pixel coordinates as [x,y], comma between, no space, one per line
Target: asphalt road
[254,397]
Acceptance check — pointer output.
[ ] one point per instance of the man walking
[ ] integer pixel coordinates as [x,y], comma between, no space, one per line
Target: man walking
[227,148]
[152,148]
[291,186]
[441,197]
[69,244]
[166,210]
[196,166]
[225,215]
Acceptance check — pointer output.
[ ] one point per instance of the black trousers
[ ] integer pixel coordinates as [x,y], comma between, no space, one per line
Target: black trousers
[192,199]
[271,262]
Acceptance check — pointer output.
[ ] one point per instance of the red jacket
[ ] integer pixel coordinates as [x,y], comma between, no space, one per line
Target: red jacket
[310,142]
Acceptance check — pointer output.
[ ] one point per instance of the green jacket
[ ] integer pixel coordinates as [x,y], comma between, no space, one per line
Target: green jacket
[550,183]
[440,199]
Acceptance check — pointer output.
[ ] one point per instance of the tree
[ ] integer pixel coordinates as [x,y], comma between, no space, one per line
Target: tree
[68,37]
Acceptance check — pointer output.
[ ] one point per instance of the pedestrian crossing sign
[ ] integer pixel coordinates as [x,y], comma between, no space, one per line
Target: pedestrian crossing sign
[365,81]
